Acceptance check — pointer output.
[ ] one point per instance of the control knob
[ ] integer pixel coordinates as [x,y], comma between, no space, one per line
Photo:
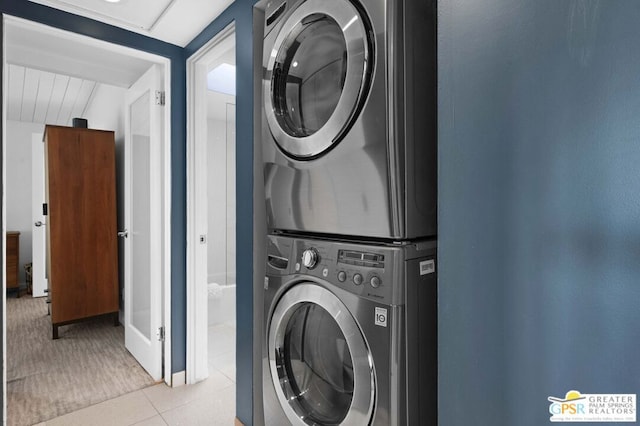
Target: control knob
[375,281]
[357,279]
[310,258]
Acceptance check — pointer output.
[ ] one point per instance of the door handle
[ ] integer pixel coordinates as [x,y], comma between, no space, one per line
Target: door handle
[39,224]
[123,234]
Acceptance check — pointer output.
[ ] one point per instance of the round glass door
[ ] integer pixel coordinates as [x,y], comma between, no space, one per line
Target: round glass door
[316,76]
[320,363]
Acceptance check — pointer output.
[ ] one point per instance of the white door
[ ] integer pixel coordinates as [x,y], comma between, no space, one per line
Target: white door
[39,234]
[143,266]
[201,237]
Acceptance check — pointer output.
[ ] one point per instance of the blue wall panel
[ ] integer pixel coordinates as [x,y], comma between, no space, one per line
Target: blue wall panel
[539,197]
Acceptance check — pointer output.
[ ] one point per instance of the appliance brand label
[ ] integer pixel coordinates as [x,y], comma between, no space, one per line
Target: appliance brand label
[381,317]
[427,267]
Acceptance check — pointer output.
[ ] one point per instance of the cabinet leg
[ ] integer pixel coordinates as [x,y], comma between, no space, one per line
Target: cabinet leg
[55,332]
[116,319]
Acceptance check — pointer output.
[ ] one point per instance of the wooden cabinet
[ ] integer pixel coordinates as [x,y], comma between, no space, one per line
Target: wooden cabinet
[13,260]
[82,246]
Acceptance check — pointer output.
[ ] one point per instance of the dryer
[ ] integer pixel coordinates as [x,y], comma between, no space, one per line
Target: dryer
[349,117]
[349,333]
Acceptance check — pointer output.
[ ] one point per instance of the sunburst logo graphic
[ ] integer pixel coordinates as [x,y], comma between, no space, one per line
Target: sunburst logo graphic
[572,395]
[571,404]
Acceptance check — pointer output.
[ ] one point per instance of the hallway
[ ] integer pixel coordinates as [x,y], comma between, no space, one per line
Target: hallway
[211,402]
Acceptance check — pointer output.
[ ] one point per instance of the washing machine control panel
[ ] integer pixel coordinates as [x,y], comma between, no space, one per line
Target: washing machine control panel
[370,271]
[364,272]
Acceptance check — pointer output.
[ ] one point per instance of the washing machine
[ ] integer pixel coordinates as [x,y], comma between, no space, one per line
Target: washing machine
[349,117]
[349,333]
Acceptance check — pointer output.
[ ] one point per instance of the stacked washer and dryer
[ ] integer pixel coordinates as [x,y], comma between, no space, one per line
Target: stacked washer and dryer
[350,147]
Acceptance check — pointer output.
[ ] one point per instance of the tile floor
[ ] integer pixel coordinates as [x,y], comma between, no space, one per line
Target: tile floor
[211,402]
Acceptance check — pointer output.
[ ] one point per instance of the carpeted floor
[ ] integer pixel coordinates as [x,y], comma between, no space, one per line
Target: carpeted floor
[47,378]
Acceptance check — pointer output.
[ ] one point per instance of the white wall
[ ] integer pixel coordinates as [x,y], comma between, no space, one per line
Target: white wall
[221,190]
[18,184]
[106,110]
[231,193]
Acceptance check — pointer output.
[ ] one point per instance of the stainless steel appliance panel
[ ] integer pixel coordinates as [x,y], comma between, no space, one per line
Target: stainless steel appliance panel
[365,164]
[308,276]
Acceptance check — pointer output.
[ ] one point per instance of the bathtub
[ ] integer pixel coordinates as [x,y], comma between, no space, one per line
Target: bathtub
[222,303]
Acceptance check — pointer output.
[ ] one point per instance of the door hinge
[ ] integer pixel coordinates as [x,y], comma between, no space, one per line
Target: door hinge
[160,97]
[160,334]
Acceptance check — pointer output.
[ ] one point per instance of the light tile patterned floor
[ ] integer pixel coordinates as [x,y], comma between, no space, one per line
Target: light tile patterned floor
[211,402]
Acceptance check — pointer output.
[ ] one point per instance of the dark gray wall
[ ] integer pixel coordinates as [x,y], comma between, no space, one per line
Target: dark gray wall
[539,197]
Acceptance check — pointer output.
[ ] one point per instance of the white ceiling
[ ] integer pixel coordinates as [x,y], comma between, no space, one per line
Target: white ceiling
[174,21]
[44,97]
[53,74]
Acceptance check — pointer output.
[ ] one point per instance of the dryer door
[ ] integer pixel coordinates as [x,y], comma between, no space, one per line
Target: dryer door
[320,363]
[316,77]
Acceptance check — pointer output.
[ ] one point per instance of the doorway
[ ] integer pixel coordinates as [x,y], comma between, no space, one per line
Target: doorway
[92,77]
[211,207]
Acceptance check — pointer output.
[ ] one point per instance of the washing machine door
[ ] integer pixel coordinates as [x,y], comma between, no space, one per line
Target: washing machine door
[320,363]
[316,77]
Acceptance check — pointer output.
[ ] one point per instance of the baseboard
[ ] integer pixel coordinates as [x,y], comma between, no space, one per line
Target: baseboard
[238,422]
[178,379]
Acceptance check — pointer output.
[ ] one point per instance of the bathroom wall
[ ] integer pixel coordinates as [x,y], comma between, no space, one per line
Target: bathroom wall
[221,189]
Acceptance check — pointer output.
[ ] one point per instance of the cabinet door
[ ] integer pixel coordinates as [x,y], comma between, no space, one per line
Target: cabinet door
[82,222]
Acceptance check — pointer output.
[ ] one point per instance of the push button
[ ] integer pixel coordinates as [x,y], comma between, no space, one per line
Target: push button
[342,276]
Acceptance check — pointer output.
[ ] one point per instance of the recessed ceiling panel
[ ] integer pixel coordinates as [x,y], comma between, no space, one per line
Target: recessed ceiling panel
[141,14]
